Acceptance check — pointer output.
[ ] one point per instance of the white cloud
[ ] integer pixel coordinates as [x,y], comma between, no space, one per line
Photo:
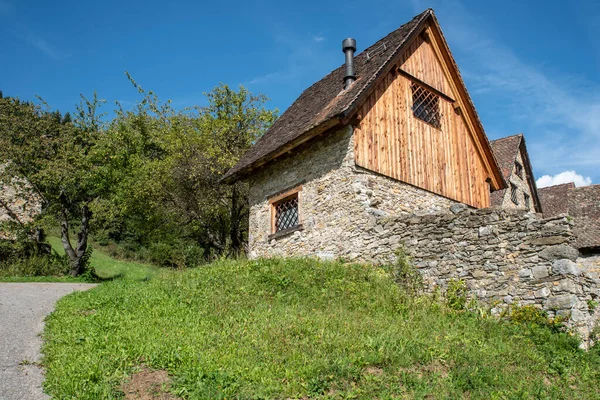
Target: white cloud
[318,39]
[563,177]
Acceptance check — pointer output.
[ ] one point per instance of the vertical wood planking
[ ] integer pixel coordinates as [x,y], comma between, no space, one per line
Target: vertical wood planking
[392,142]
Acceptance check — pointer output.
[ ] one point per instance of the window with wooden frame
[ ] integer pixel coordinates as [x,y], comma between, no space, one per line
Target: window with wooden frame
[285,211]
[426,105]
[527,199]
[513,193]
[518,169]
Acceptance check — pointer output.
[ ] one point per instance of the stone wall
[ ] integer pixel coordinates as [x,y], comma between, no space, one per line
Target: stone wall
[18,201]
[504,256]
[337,199]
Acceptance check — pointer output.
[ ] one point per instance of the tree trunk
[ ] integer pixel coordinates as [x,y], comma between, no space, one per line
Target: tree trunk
[76,255]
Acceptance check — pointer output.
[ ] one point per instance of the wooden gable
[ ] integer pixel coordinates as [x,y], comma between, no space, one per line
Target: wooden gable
[447,157]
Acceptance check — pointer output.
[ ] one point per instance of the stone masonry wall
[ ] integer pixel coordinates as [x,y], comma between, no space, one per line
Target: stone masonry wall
[504,256]
[337,199]
[18,201]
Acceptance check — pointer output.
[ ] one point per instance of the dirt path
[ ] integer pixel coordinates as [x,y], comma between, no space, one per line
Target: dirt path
[23,307]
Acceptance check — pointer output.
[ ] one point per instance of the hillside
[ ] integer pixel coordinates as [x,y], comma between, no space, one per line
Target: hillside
[300,329]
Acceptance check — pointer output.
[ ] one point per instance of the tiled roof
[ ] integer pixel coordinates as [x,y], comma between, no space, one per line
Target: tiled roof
[584,207]
[581,203]
[554,199]
[506,150]
[326,99]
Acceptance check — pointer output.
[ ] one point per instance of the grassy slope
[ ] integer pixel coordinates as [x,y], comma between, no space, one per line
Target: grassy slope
[299,329]
[105,266]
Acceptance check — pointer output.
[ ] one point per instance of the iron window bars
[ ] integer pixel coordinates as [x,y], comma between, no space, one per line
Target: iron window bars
[513,193]
[286,213]
[426,105]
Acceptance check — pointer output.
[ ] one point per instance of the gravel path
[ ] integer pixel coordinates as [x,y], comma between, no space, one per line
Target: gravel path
[23,307]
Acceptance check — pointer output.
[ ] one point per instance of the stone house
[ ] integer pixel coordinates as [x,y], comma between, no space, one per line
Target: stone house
[513,160]
[392,131]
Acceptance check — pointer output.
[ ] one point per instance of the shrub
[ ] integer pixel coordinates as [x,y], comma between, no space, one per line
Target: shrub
[530,315]
[405,274]
[37,265]
[456,295]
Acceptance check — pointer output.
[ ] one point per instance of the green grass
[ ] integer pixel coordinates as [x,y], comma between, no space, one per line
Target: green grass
[105,267]
[301,329]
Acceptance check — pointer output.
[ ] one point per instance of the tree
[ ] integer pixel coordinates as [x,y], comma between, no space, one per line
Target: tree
[57,160]
[168,164]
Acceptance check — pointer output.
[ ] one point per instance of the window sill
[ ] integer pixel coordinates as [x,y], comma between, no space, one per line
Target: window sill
[285,232]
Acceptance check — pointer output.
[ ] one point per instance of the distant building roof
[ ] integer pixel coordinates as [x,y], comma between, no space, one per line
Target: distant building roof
[554,199]
[581,203]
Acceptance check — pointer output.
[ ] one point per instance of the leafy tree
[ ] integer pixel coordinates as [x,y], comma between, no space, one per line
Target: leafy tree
[57,160]
[168,164]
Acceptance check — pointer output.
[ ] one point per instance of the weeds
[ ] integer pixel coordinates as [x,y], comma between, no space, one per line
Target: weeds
[272,329]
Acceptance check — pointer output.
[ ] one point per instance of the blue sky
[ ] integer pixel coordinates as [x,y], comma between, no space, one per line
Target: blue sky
[530,66]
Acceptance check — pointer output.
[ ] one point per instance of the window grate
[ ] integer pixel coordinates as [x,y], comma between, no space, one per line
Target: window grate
[426,105]
[513,193]
[519,170]
[286,213]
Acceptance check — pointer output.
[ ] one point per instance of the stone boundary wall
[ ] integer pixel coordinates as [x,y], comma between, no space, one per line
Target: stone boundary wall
[504,256]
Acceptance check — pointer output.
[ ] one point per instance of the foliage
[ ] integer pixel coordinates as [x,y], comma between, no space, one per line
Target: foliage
[166,164]
[405,274]
[148,180]
[272,329]
[456,295]
[34,266]
[531,315]
[51,268]
[53,155]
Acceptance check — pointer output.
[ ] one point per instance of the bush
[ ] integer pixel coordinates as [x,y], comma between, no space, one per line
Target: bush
[37,265]
[406,275]
[456,295]
[530,315]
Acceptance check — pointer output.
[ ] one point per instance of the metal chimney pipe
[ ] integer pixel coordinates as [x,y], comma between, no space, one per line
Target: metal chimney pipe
[349,47]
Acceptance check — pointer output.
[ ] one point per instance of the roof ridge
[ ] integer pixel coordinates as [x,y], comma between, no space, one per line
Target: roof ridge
[560,184]
[520,135]
[420,17]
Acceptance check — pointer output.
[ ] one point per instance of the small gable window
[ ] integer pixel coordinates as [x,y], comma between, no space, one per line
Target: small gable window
[527,201]
[426,105]
[285,211]
[513,193]
[519,169]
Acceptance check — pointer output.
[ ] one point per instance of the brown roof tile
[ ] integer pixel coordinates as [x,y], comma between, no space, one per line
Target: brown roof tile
[554,199]
[584,207]
[581,203]
[506,150]
[326,99]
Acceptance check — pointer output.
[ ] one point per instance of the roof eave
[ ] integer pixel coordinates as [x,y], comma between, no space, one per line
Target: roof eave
[323,127]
